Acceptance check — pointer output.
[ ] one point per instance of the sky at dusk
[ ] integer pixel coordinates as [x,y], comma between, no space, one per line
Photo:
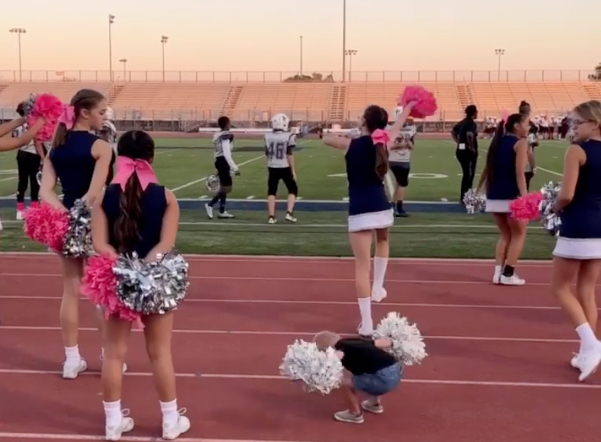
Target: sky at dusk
[239,35]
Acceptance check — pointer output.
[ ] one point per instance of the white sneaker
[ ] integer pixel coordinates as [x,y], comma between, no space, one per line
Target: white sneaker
[575,361]
[225,215]
[365,331]
[496,279]
[72,370]
[378,294]
[126,425]
[209,210]
[19,215]
[272,220]
[171,432]
[290,218]
[511,280]
[588,362]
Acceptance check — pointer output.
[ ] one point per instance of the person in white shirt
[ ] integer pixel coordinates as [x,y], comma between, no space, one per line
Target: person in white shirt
[399,160]
[223,141]
[109,134]
[29,159]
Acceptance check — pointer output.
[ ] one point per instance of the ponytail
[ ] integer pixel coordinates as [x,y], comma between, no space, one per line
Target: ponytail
[60,135]
[381,160]
[126,227]
[492,153]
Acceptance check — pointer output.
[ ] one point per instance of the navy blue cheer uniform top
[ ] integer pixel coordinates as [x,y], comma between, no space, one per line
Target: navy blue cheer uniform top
[153,204]
[581,219]
[74,165]
[365,188]
[504,185]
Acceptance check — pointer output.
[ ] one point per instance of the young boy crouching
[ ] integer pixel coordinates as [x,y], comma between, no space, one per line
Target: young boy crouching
[373,371]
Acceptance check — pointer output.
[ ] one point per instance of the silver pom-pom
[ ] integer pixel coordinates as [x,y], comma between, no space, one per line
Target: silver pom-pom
[408,345]
[474,202]
[551,221]
[320,371]
[152,288]
[28,105]
[212,183]
[78,240]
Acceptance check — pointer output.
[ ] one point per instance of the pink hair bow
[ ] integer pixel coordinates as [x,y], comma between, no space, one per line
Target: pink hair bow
[68,117]
[126,167]
[381,136]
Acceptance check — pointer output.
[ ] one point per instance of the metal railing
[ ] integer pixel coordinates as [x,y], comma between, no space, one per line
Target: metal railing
[12,76]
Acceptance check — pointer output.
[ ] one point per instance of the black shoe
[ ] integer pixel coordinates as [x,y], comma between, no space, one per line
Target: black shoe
[401,214]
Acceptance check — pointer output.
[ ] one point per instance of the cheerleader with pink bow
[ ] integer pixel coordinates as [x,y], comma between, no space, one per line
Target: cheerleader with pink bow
[369,209]
[137,215]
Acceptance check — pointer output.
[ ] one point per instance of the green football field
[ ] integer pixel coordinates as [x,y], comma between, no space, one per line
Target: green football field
[182,165]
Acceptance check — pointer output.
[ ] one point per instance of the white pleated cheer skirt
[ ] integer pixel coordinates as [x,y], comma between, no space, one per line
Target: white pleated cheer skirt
[497,206]
[576,248]
[371,221]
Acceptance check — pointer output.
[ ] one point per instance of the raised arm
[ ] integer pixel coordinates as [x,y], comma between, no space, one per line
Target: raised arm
[23,140]
[9,127]
[337,141]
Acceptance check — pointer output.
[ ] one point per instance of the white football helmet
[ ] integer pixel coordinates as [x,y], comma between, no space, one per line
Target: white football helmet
[280,122]
[109,115]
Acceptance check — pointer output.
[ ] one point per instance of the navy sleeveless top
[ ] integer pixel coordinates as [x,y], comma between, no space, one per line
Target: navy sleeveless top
[74,165]
[582,217]
[153,205]
[504,183]
[365,188]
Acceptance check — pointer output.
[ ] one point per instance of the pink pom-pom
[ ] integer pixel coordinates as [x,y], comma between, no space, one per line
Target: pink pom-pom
[526,208]
[46,225]
[425,105]
[100,285]
[49,108]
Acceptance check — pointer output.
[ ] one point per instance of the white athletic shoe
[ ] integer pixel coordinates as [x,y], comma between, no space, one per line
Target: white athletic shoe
[72,370]
[511,280]
[125,426]
[19,215]
[290,218]
[588,362]
[225,215]
[365,331]
[496,279]
[209,210]
[575,361]
[378,294]
[272,220]
[171,432]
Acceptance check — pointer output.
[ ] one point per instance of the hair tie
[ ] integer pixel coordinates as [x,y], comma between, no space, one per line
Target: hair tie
[68,117]
[380,136]
[126,167]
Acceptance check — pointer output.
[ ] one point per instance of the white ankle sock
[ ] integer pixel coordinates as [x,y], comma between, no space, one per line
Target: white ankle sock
[72,355]
[113,413]
[498,270]
[380,265]
[588,340]
[367,324]
[170,413]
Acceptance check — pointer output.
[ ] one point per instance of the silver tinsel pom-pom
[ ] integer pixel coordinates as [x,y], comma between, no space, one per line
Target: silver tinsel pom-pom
[28,105]
[550,220]
[474,202]
[321,371]
[78,240]
[152,288]
[408,345]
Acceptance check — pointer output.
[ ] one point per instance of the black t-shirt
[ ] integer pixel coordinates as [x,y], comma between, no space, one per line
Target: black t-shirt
[361,356]
[462,128]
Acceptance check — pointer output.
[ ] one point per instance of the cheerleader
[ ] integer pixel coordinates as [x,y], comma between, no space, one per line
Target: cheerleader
[80,160]
[577,254]
[505,180]
[369,209]
[138,215]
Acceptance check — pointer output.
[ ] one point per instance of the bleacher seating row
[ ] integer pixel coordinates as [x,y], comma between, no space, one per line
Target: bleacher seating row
[314,101]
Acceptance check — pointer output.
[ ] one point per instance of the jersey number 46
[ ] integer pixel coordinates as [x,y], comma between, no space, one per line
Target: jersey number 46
[277,150]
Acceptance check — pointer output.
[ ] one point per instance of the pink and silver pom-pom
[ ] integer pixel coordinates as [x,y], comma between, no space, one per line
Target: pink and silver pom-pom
[550,220]
[474,202]
[78,239]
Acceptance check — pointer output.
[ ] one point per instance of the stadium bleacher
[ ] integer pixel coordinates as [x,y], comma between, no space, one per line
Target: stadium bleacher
[308,101]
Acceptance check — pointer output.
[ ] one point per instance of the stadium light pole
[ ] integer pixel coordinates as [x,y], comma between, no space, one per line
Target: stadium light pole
[19,31]
[124,61]
[343,41]
[111,21]
[301,56]
[500,53]
[350,53]
[164,40]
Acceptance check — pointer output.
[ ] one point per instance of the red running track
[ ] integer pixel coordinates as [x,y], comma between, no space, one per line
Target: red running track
[497,371]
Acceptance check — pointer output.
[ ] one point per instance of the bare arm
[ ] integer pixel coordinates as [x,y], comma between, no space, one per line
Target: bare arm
[100,233]
[102,153]
[48,185]
[39,148]
[396,128]
[521,160]
[337,141]
[531,160]
[169,229]
[9,127]
[575,157]
[23,140]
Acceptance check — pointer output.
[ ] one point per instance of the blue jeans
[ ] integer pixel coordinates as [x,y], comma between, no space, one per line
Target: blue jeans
[380,382]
